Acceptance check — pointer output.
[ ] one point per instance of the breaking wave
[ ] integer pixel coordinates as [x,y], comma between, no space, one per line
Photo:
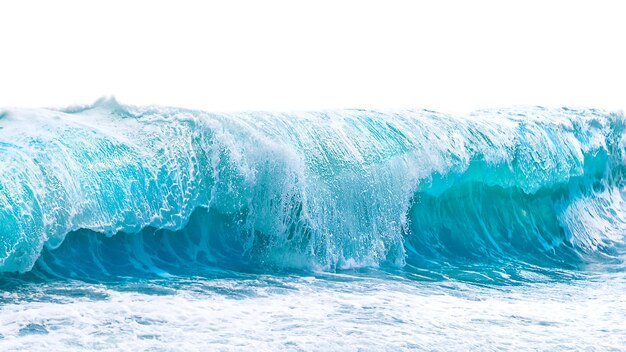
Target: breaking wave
[118,189]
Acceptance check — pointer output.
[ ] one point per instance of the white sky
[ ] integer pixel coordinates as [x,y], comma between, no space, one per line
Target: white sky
[293,55]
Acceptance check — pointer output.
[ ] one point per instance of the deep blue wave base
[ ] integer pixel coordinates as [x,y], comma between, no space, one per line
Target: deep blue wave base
[121,190]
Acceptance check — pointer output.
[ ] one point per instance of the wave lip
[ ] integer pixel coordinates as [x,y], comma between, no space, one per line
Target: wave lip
[319,190]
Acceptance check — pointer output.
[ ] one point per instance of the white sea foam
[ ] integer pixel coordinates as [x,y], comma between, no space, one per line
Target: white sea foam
[267,313]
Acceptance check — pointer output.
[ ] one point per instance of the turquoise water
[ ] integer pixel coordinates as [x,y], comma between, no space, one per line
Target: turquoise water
[151,228]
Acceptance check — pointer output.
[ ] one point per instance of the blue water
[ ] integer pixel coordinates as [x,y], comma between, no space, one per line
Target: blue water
[150,228]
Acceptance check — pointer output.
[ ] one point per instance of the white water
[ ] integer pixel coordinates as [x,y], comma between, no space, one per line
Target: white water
[336,312]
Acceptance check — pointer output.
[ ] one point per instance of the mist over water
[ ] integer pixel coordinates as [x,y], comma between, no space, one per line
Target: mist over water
[135,227]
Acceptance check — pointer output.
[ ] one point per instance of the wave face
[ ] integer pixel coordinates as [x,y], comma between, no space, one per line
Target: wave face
[120,189]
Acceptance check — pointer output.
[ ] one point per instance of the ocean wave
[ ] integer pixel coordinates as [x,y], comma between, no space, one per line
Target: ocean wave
[156,189]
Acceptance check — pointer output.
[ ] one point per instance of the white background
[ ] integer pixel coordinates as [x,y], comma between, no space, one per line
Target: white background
[294,55]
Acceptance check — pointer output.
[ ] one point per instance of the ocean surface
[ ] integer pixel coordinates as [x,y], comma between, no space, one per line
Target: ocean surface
[166,229]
